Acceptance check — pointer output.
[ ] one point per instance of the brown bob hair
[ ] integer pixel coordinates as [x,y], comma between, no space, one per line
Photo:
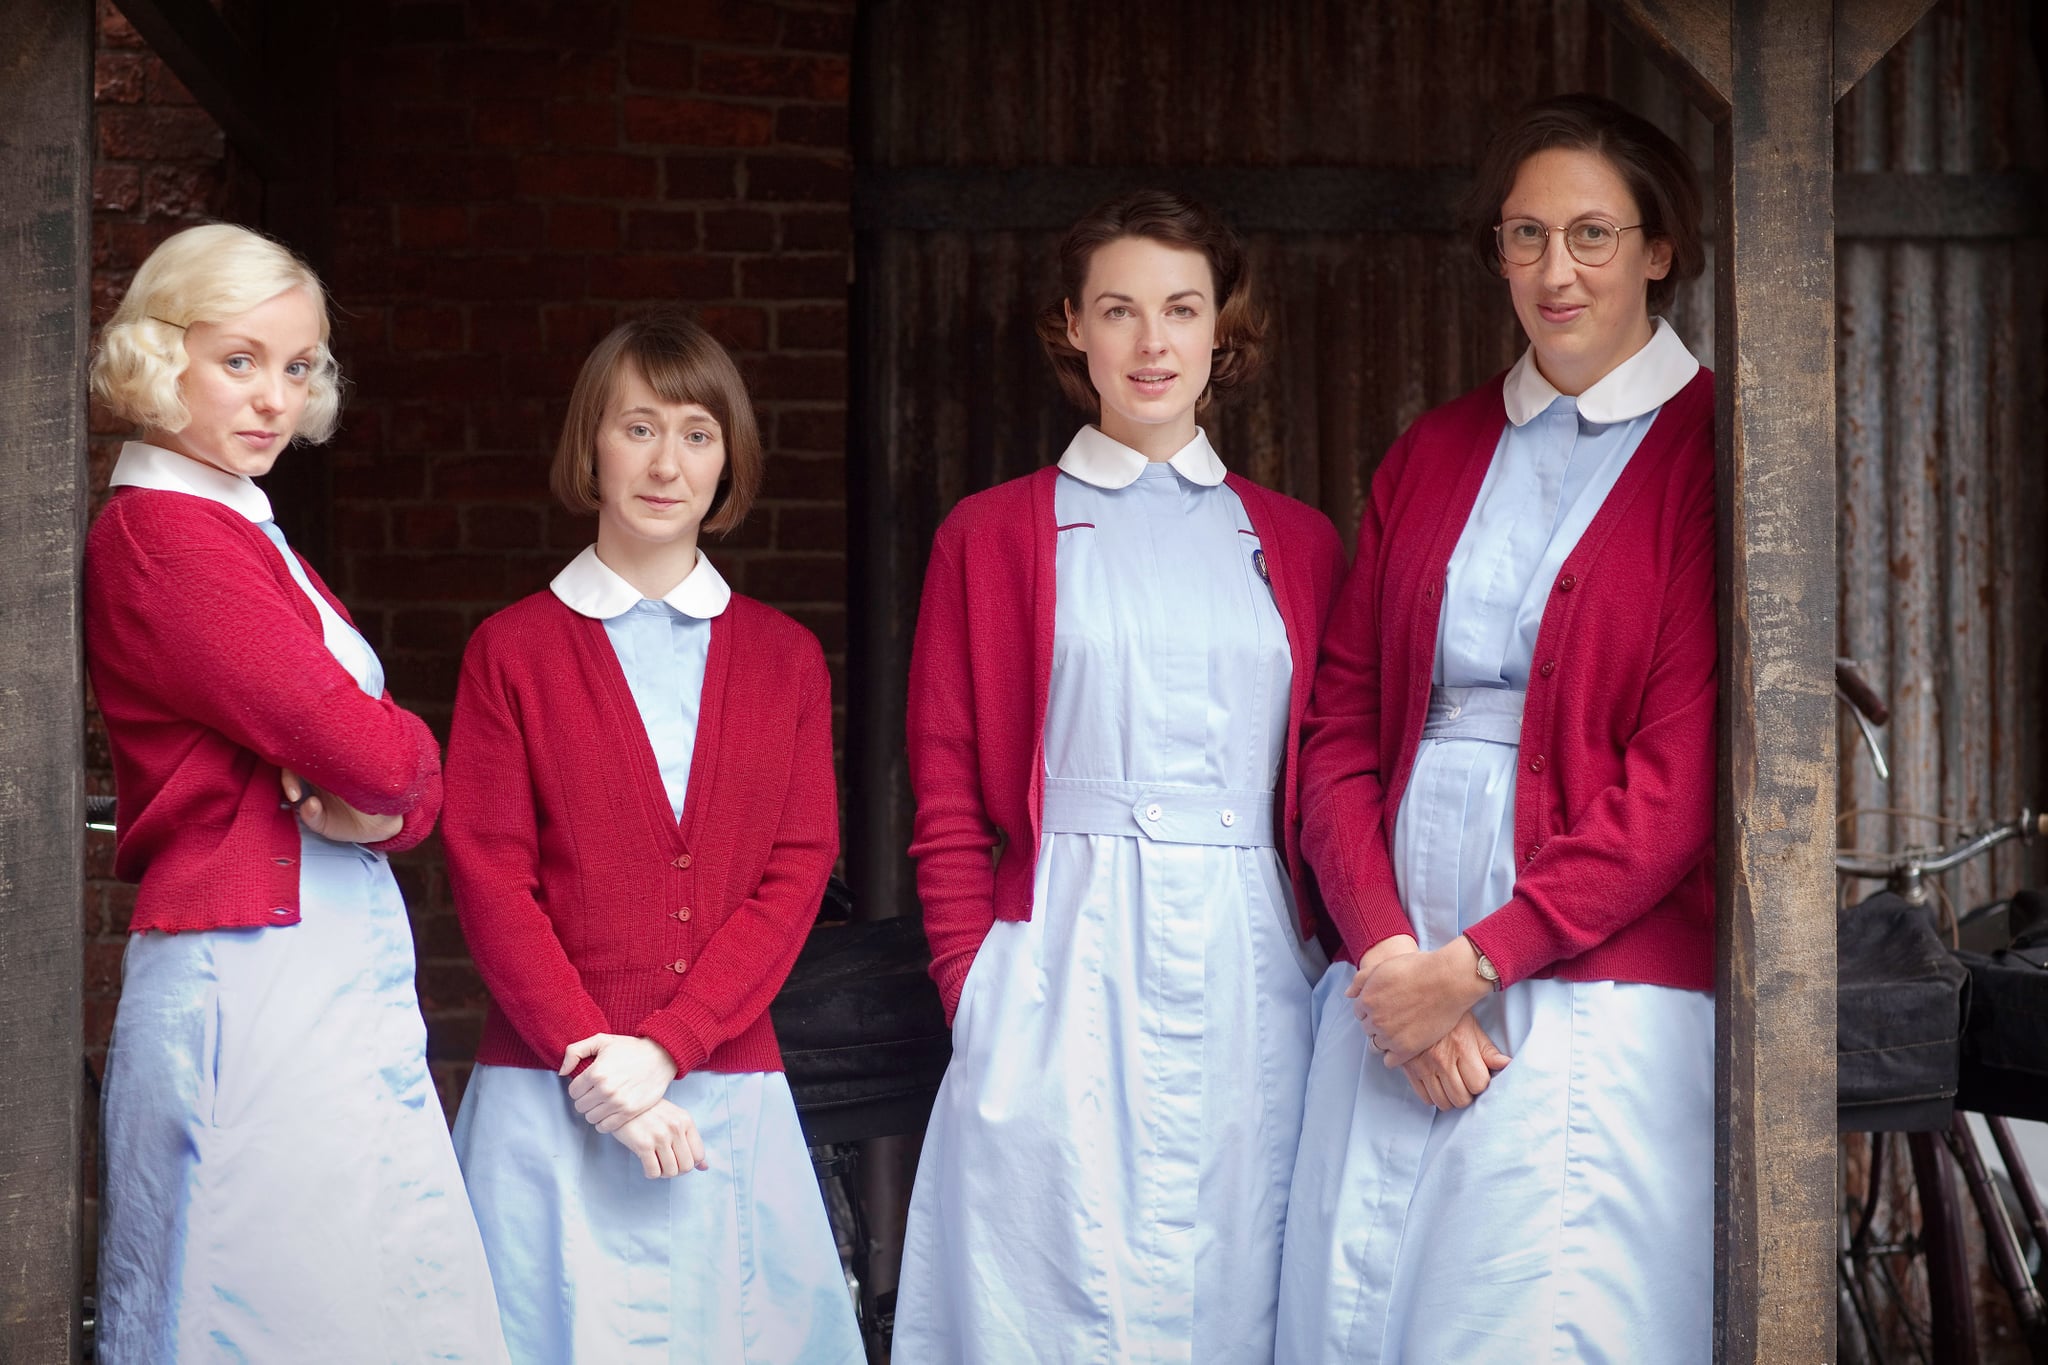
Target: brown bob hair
[1173,220]
[1657,171]
[682,363]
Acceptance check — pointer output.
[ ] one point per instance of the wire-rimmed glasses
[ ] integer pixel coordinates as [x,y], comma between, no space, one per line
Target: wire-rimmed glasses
[1591,241]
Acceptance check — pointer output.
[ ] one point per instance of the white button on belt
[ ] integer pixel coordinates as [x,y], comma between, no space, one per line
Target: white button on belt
[1229,818]
[1453,712]
[1153,812]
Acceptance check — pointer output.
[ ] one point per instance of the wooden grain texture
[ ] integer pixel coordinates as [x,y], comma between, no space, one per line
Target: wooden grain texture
[45,181]
[217,66]
[1865,30]
[1775,1138]
[1688,38]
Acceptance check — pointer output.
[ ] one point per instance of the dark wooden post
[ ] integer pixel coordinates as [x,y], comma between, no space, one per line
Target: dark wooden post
[46,51]
[1769,72]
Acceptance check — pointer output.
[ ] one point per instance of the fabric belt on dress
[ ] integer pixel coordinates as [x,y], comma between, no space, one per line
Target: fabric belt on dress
[1493,714]
[1224,817]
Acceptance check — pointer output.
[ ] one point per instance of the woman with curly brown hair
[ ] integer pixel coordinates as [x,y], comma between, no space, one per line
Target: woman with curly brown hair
[1111,667]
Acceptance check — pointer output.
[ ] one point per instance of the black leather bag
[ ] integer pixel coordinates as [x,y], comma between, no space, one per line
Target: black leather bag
[2005,1046]
[1901,997]
[863,1036]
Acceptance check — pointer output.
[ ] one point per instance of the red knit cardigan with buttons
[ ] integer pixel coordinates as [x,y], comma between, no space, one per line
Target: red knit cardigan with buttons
[981,677]
[587,906]
[1614,800]
[212,673]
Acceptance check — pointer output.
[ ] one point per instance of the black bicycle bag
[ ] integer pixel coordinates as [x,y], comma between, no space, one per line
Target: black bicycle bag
[1900,1001]
[2005,1045]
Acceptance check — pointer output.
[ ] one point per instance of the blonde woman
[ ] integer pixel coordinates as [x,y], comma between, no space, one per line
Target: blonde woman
[278,1183]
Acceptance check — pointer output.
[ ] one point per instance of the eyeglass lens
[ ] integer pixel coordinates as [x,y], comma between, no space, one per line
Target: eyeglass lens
[1591,241]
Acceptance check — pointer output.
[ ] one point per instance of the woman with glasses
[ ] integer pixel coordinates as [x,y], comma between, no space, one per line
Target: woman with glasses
[1508,774]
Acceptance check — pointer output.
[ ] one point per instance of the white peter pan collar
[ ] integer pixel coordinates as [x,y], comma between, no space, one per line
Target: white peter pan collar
[590,587]
[1108,463]
[142,465]
[1646,380]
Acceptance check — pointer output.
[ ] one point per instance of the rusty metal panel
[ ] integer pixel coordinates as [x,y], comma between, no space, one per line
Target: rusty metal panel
[1941,450]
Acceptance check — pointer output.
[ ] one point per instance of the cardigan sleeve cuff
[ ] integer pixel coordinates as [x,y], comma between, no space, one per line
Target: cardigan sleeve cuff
[682,1036]
[1516,939]
[950,976]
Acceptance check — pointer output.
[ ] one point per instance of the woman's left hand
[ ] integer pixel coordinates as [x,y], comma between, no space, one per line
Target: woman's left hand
[330,817]
[628,1078]
[1412,1002]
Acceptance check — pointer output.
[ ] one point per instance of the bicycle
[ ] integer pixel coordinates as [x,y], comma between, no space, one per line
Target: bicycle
[1903,1266]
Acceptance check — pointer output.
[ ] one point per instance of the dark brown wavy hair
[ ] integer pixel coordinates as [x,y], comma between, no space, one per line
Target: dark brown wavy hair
[1657,171]
[1172,220]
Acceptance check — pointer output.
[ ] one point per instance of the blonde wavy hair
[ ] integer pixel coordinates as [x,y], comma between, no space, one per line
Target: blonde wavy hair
[203,274]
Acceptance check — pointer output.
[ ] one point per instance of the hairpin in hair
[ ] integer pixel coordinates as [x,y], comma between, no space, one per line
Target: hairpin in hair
[165,321]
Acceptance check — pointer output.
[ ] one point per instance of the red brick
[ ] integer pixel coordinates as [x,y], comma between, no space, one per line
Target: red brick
[662,230]
[587,25]
[418,125]
[737,328]
[515,478]
[797,578]
[584,123]
[818,478]
[810,429]
[434,177]
[697,123]
[813,125]
[125,245]
[116,189]
[361,328]
[828,229]
[439,935]
[386,74]
[816,31]
[524,426]
[490,527]
[582,175]
[506,123]
[530,371]
[810,528]
[659,278]
[145,133]
[731,21]
[376,480]
[510,227]
[447,377]
[182,191]
[418,23]
[793,277]
[416,677]
[164,87]
[698,177]
[667,67]
[433,527]
[456,1036]
[739,230]
[426,327]
[119,77]
[362,526]
[806,378]
[511,277]
[487,73]
[827,623]
[798,179]
[811,327]
[428,578]
[569,532]
[772,77]
[504,326]
[577,327]
[429,428]
[582,227]
[115,30]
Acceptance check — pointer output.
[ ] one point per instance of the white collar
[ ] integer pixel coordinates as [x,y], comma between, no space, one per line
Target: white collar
[1649,378]
[142,465]
[1108,463]
[591,587]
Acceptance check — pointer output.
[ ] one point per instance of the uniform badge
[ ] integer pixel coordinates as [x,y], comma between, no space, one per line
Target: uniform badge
[1259,563]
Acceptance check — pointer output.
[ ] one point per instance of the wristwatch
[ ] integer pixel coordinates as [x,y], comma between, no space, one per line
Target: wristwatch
[1482,964]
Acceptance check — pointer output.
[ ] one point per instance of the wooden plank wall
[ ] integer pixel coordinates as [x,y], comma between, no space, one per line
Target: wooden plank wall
[45,205]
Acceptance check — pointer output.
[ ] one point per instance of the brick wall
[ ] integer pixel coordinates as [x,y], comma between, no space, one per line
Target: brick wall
[512,178]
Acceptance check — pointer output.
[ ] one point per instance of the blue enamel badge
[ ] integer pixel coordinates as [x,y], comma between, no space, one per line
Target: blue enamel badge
[1259,563]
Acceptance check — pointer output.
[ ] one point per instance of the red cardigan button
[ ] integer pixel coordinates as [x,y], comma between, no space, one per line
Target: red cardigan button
[682,860]
[1536,764]
[1567,583]
[1549,667]
[679,966]
[682,914]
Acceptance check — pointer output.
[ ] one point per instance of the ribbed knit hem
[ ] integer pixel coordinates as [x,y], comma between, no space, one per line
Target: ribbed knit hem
[753,1050]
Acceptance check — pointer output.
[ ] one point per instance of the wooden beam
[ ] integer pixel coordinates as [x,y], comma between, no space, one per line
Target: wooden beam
[1688,39]
[46,62]
[1867,29]
[1775,1017]
[224,76]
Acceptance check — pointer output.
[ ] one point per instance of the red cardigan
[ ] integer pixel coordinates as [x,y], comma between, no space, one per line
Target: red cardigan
[1614,802]
[587,907]
[980,678]
[209,666]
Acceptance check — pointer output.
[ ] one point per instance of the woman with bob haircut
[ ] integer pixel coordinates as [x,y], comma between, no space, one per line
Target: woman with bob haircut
[278,1182]
[641,819]
[1509,777]
[1111,667]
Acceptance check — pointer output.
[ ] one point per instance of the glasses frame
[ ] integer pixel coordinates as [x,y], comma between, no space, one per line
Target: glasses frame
[1500,245]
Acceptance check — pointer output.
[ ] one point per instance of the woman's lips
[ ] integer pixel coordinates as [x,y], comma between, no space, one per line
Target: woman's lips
[662,504]
[1152,383]
[1560,312]
[257,439]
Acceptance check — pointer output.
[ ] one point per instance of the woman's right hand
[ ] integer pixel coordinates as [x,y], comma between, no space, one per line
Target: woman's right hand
[666,1141]
[330,817]
[1457,1069]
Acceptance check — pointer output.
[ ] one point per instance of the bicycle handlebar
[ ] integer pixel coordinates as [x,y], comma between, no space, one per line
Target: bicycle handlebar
[1858,692]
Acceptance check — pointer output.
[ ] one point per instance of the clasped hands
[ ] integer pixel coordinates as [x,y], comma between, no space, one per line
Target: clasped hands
[1416,1009]
[623,1092]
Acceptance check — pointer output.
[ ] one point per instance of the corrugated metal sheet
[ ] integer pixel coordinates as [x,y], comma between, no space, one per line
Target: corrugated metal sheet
[1941,399]
[1940,368]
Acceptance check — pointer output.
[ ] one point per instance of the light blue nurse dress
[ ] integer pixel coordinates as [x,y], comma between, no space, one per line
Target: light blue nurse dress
[1106,1170]
[1567,1215]
[278,1182]
[596,1264]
